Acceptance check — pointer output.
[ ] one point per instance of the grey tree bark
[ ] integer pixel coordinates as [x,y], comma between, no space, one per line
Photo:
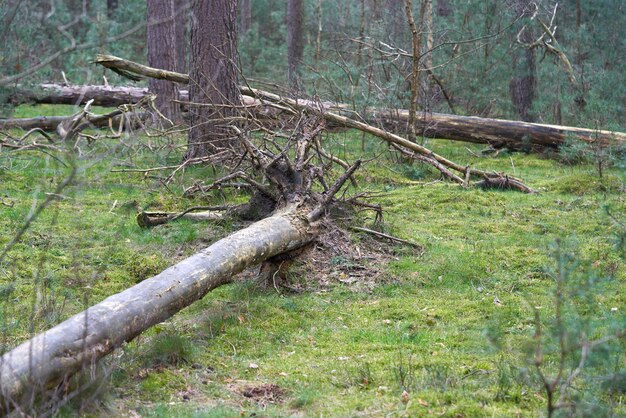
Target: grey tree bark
[246,16]
[295,42]
[213,75]
[162,54]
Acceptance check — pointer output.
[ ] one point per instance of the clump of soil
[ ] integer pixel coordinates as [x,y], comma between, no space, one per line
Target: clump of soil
[264,393]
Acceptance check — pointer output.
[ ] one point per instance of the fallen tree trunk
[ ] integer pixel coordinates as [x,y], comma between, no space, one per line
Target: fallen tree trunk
[79,95]
[46,123]
[499,133]
[51,123]
[50,358]
[496,132]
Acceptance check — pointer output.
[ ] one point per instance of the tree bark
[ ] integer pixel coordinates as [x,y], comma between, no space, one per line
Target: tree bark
[162,54]
[181,18]
[246,16]
[50,358]
[111,7]
[295,42]
[77,95]
[416,40]
[443,8]
[522,84]
[51,123]
[213,75]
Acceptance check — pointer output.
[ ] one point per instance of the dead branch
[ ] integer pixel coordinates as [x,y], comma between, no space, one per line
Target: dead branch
[389,237]
[209,213]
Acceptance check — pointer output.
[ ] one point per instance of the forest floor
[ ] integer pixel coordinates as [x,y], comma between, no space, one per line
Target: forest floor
[443,332]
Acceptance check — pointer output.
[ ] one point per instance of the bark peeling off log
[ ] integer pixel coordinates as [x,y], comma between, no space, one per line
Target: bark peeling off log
[80,341]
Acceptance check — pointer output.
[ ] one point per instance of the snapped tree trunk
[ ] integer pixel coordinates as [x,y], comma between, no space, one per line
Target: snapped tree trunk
[213,75]
[162,54]
[49,358]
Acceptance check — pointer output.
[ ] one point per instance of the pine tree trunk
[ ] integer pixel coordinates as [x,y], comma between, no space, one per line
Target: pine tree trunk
[246,16]
[213,75]
[522,84]
[162,54]
[111,7]
[181,12]
[295,45]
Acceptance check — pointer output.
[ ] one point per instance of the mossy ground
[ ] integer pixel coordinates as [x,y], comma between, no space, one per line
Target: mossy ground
[336,350]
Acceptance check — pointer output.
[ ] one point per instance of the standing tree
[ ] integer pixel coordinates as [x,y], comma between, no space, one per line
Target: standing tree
[522,84]
[181,18]
[162,54]
[213,75]
[111,7]
[295,42]
[246,16]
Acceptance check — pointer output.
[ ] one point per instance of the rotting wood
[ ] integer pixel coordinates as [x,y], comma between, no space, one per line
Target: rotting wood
[50,358]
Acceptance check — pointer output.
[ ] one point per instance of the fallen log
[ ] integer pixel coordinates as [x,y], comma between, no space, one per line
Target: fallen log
[514,135]
[79,95]
[46,123]
[498,133]
[50,358]
[51,123]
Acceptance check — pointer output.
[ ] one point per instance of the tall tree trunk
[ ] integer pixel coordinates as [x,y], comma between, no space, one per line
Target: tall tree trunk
[162,54]
[427,21]
[111,7]
[416,37]
[396,21]
[213,75]
[318,37]
[295,42]
[523,82]
[443,8]
[246,16]
[181,18]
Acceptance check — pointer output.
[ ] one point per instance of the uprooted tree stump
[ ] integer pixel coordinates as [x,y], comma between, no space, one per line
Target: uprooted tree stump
[291,212]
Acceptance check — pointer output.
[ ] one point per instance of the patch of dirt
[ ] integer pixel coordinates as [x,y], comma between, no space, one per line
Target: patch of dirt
[263,394]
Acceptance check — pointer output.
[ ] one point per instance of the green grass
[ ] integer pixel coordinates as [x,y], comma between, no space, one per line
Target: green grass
[334,351]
